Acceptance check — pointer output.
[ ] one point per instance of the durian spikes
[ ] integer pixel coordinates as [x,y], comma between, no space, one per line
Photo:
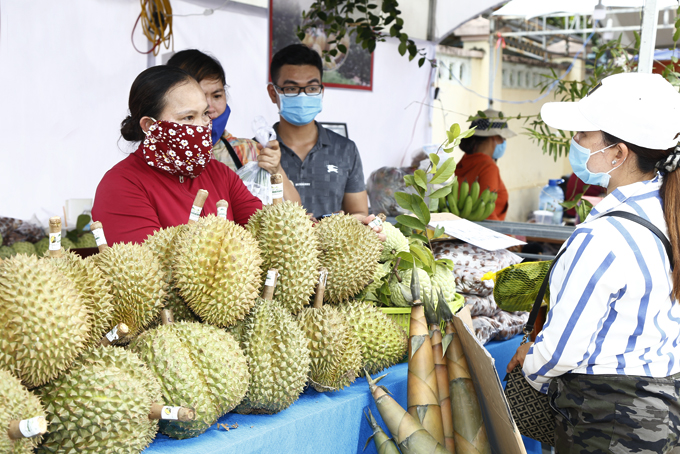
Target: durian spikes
[98,232]
[469,431]
[277,188]
[36,426]
[320,288]
[222,207]
[383,443]
[406,430]
[160,411]
[197,206]
[55,237]
[270,284]
[441,372]
[118,332]
[421,389]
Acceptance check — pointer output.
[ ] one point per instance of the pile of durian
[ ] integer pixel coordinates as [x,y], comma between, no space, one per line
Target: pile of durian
[99,354]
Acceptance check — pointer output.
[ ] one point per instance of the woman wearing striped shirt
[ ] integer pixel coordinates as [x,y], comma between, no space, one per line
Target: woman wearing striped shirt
[608,355]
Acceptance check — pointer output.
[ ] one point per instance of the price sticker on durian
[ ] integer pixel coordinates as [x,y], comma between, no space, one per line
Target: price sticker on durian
[113,334]
[171,413]
[30,427]
[99,236]
[195,213]
[277,191]
[222,212]
[271,278]
[55,241]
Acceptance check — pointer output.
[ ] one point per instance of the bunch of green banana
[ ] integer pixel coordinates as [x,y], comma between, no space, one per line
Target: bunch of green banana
[465,201]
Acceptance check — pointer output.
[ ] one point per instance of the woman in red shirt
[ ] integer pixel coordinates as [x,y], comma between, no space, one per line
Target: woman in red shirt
[482,150]
[155,186]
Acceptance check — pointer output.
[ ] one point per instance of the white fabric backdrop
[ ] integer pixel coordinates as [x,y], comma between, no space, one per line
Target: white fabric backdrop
[65,72]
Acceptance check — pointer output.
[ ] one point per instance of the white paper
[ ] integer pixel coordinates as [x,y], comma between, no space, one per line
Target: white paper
[113,334]
[99,236]
[222,212]
[195,213]
[171,413]
[30,427]
[277,191]
[271,278]
[55,241]
[477,235]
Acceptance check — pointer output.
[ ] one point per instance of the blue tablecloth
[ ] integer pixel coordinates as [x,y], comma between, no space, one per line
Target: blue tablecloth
[318,423]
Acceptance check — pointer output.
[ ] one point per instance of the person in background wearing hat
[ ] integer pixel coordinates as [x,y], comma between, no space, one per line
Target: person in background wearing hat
[482,150]
[608,354]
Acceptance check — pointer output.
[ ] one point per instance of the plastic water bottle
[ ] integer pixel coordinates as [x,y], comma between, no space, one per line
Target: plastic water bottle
[550,198]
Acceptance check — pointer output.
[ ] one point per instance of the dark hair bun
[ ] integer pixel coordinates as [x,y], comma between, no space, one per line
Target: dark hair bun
[130,130]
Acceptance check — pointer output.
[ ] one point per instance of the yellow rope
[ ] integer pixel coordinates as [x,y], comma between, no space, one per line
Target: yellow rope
[156,18]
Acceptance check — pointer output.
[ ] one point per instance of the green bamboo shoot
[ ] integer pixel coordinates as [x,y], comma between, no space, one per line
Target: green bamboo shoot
[383,443]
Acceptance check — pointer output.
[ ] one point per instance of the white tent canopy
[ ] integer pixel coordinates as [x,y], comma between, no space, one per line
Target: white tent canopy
[535,8]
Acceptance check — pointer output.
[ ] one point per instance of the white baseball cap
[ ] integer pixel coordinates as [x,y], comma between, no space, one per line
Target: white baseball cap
[639,108]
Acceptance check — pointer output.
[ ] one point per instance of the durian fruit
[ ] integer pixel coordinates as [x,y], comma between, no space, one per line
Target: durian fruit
[397,288]
[277,354]
[18,404]
[383,342]
[217,270]
[136,280]
[395,242]
[67,244]
[350,252]
[443,279]
[6,252]
[286,238]
[163,243]
[94,290]
[42,246]
[198,366]
[334,349]
[86,240]
[24,247]
[46,324]
[101,405]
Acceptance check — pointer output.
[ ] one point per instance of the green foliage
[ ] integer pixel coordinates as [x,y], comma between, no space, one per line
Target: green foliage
[76,233]
[369,21]
[582,206]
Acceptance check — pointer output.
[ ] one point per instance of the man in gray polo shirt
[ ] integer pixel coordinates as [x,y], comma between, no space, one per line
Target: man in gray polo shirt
[324,166]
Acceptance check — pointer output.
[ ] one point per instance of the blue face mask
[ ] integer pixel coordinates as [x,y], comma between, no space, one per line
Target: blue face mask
[219,124]
[499,151]
[578,158]
[301,109]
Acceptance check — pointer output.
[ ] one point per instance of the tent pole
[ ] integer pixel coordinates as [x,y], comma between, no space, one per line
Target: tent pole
[650,19]
[492,59]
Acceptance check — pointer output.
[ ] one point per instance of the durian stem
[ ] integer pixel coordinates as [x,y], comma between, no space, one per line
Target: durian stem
[98,232]
[197,207]
[55,227]
[277,188]
[118,332]
[320,288]
[270,284]
[38,426]
[160,411]
[382,217]
[394,270]
[222,207]
[167,318]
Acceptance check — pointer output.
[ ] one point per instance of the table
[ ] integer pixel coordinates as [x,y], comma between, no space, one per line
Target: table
[318,423]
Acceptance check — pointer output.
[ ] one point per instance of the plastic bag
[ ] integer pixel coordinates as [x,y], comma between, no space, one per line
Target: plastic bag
[15,230]
[381,186]
[512,323]
[256,179]
[486,328]
[264,132]
[517,286]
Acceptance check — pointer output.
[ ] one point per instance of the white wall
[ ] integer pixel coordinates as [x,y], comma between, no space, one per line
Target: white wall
[65,72]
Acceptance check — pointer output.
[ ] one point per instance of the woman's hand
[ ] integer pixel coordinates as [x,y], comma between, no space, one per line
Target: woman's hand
[519,357]
[377,228]
[270,157]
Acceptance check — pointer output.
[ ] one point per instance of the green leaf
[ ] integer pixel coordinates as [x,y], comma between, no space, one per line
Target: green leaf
[82,221]
[444,172]
[419,237]
[439,231]
[455,129]
[421,211]
[434,158]
[404,200]
[442,192]
[402,48]
[410,221]
[406,261]
[420,178]
[409,180]
[445,262]
[342,48]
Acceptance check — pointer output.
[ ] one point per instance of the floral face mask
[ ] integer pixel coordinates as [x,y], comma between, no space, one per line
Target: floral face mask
[178,149]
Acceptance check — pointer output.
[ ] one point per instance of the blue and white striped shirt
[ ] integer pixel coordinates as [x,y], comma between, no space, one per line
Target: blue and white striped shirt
[611,309]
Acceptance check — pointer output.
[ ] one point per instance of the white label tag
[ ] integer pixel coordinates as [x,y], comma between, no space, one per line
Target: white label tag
[170,413]
[322,278]
[30,427]
[375,223]
[55,241]
[277,191]
[222,212]
[113,334]
[271,278]
[99,236]
[195,213]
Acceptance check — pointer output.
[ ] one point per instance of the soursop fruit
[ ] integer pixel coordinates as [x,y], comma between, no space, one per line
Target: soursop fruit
[163,244]
[382,270]
[101,405]
[383,342]
[278,358]
[199,366]
[46,324]
[396,294]
[16,402]
[7,252]
[94,290]
[444,279]
[67,244]
[350,252]
[217,270]
[137,285]
[286,237]
[42,246]
[395,242]
[24,247]
[86,240]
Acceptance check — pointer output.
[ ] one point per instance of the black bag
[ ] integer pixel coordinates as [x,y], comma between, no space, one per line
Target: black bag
[531,409]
